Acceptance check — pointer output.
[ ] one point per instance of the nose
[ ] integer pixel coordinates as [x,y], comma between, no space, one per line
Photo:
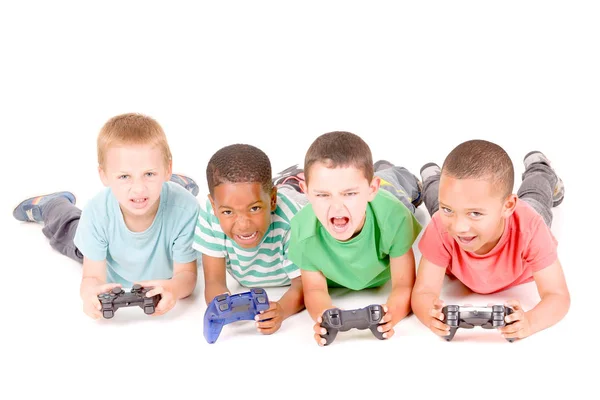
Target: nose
[243,222]
[461,225]
[137,186]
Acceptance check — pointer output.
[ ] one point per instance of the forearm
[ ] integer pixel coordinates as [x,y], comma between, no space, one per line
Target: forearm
[317,301]
[183,283]
[550,310]
[213,288]
[421,303]
[292,301]
[399,302]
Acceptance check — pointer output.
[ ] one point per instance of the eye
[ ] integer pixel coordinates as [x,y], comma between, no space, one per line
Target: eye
[226,212]
[349,194]
[322,195]
[446,210]
[123,176]
[255,208]
[150,174]
[475,214]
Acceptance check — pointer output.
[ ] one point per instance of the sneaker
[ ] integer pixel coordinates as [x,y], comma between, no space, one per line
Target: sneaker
[419,200]
[381,165]
[188,183]
[290,176]
[538,157]
[31,209]
[428,170]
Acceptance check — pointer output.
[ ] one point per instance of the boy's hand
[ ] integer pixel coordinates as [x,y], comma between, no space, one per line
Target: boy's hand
[89,295]
[319,330]
[436,323]
[519,327]
[387,323]
[168,298]
[269,321]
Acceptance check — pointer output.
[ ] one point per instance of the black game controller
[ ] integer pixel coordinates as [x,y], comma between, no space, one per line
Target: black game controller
[118,298]
[336,320]
[468,317]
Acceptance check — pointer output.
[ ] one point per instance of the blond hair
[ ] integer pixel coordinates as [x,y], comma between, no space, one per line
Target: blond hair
[132,129]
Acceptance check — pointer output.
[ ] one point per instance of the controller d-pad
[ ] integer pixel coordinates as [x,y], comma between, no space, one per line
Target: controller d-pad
[224,307]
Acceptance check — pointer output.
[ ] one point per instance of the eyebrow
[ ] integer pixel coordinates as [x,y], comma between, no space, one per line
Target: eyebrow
[257,202]
[468,209]
[354,189]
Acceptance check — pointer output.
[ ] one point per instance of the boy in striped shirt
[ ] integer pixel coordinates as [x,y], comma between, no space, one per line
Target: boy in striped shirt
[244,229]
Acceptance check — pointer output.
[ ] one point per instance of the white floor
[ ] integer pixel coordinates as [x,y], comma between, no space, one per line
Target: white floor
[413,81]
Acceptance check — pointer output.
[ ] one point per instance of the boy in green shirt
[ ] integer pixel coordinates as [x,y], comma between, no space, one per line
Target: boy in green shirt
[352,234]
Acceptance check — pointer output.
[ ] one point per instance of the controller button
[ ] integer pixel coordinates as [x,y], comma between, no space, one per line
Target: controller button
[224,307]
[221,297]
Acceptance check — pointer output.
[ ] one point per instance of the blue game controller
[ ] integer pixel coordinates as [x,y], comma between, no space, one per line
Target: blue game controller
[225,309]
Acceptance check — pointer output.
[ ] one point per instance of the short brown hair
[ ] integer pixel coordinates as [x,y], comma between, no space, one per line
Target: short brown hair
[239,163]
[340,149]
[131,129]
[480,159]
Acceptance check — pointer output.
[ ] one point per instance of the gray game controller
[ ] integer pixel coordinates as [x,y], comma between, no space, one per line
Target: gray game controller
[491,317]
[336,320]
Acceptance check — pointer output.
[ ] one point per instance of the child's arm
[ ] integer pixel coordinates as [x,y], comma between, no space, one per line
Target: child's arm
[181,285]
[94,283]
[289,304]
[398,303]
[425,300]
[317,300]
[553,306]
[215,279]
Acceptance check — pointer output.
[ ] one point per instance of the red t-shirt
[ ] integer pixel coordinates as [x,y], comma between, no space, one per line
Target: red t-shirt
[526,246]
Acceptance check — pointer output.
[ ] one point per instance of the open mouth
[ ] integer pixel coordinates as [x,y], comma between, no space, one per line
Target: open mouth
[466,239]
[139,202]
[339,224]
[247,238]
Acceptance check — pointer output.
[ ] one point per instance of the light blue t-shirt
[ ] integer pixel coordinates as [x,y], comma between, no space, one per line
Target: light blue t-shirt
[137,256]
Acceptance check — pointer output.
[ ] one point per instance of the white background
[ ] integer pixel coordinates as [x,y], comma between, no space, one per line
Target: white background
[414,80]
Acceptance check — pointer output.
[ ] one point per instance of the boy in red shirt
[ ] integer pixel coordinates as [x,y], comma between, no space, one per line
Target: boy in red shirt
[489,238]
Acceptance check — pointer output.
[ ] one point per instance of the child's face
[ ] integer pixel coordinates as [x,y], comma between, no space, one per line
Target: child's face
[339,198]
[244,211]
[474,212]
[135,174]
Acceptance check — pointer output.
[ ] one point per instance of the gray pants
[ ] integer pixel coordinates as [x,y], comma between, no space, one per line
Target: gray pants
[61,218]
[536,189]
[401,183]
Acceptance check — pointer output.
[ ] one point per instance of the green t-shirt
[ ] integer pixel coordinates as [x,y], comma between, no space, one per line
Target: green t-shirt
[390,230]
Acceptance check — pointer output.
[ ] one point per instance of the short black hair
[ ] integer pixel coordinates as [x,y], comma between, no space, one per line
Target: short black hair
[239,163]
[480,159]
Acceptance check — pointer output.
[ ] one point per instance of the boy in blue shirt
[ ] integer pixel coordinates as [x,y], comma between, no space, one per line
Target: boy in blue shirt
[138,230]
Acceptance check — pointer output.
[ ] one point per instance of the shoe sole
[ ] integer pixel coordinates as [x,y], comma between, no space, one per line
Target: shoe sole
[32,197]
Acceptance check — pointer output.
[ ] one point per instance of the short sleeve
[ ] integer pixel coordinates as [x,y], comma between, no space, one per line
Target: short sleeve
[209,239]
[90,237]
[432,245]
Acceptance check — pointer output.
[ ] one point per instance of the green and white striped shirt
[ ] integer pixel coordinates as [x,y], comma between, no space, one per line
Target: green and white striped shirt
[265,265]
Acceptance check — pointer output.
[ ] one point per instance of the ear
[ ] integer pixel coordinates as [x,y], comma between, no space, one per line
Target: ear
[212,203]
[508,208]
[169,171]
[103,176]
[303,186]
[273,198]
[374,187]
